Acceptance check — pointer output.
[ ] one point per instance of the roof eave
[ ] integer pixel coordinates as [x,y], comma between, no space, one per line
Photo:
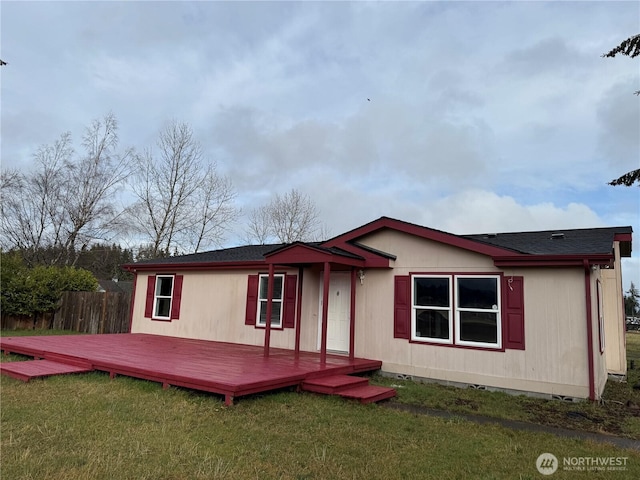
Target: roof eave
[552,260]
[191,266]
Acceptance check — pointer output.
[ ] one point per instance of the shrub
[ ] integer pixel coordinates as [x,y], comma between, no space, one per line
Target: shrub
[29,291]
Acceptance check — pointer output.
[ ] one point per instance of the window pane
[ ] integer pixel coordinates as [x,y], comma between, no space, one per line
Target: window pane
[432,292]
[432,323]
[277,287]
[163,307]
[163,286]
[275,313]
[479,327]
[478,293]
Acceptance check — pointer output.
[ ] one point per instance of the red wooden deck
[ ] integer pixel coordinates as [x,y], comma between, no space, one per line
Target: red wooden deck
[227,369]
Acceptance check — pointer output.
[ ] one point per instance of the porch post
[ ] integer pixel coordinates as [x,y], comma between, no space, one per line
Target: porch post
[325,312]
[299,309]
[352,315]
[267,327]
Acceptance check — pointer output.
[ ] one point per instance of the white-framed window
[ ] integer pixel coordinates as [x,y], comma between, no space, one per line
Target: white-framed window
[276,309]
[431,316]
[478,311]
[162,297]
[456,310]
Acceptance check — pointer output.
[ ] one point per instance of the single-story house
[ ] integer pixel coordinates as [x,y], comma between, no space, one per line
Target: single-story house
[531,312]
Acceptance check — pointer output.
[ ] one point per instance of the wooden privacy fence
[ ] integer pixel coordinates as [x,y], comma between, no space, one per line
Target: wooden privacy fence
[94,312]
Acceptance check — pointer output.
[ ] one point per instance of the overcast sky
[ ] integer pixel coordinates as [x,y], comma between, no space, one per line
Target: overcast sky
[468,117]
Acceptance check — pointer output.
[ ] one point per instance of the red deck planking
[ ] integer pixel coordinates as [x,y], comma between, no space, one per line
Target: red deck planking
[227,369]
[25,371]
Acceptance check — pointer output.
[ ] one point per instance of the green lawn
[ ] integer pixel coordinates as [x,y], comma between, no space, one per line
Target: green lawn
[618,413]
[90,427]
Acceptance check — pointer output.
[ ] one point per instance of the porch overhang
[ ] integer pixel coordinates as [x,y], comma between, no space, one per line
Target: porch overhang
[302,254]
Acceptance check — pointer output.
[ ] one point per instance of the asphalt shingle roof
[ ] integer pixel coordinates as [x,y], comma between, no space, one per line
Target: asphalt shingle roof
[555,242]
[247,253]
[547,242]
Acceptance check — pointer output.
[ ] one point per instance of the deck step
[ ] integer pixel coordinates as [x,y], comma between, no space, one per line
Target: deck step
[348,386]
[29,369]
[368,393]
[333,384]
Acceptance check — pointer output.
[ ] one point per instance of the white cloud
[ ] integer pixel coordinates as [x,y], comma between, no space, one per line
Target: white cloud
[481,116]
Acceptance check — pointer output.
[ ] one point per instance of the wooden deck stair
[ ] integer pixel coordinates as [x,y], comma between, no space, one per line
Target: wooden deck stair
[29,369]
[349,387]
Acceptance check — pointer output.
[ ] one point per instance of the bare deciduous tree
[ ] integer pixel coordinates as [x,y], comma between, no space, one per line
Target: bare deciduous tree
[65,202]
[91,183]
[630,48]
[182,201]
[288,218]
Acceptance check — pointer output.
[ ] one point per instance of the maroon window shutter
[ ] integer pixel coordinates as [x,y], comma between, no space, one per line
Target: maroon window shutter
[252,300]
[177,297]
[151,291]
[513,291]
[402,307]
[290,290]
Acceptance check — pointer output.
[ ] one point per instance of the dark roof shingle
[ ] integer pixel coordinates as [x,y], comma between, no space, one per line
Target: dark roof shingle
[555,242]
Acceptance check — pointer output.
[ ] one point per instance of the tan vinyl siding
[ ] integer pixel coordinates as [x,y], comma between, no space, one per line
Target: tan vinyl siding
[555,358]
[212,308]
[614,318]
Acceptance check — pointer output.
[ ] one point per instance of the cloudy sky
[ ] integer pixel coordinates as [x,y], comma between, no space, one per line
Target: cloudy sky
[468,117]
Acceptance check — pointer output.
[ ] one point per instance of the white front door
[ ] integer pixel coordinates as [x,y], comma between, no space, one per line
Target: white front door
[338,312]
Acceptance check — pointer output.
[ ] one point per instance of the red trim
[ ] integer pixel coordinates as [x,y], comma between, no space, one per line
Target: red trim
[176,297]
[589,319]
[622,237]
[133,300]
[419,231]
[552,260]
[455,345]
[402,307]
[151,288]
[325,312]
[251,311]
[298,253]
[299,310]
[289,296]
[371,259]
[512,312]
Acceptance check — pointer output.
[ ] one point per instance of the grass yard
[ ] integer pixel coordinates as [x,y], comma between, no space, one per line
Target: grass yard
[617,414]
[90,427]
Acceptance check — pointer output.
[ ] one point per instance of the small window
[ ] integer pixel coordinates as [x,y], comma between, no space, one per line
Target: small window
[431,314]
[276,305]
[478,311]
[162,297]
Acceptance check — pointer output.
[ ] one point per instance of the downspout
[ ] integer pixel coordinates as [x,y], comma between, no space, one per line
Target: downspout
[589,317]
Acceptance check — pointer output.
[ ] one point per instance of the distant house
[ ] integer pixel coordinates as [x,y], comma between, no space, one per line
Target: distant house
[532,312]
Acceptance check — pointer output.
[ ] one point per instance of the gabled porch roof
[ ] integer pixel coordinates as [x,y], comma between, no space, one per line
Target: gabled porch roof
[305,254]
